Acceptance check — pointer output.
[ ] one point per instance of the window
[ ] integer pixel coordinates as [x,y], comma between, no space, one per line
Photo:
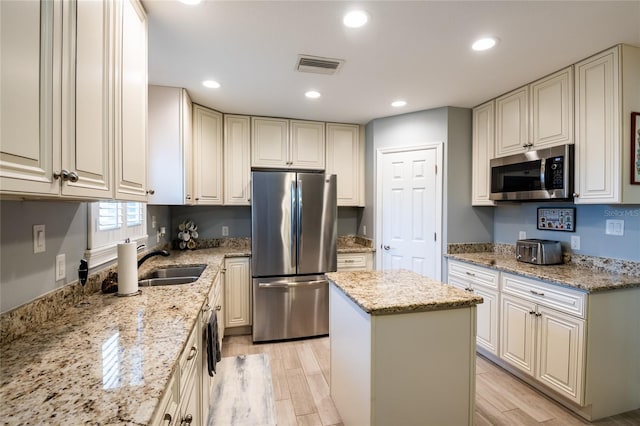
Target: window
[112,222]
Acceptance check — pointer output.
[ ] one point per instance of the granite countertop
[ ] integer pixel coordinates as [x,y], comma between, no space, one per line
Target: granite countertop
[355,248]
[568,275]
[400,291]
[108,362]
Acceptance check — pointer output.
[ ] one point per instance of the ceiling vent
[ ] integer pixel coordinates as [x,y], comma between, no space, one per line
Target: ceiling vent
[318,65]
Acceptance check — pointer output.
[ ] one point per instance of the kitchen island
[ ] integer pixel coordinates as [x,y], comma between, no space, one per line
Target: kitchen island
[402,349]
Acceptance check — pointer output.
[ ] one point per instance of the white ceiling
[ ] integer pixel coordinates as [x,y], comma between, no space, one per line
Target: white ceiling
[417,51]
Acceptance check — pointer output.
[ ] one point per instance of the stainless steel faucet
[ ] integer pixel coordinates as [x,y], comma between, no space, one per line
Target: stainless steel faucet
[151,254]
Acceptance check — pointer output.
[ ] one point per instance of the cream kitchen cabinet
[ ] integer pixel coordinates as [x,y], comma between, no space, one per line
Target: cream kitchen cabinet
[512,122]
[207,155]
[355,261]
[483,282]
[214,303]
[482,151]
[237,160]
[237,292]
[536,116]
[170,146]
[131,101]
[58,137]
[283,143]
[345,159]
[607,90]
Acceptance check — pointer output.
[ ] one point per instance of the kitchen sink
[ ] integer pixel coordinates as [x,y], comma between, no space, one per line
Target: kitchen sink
[172,275]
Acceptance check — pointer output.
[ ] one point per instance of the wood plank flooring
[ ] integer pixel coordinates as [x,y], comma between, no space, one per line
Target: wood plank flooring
[300,374]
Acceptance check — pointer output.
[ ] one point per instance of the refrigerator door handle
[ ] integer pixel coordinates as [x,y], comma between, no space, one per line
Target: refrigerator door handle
[281,284]
[294,226]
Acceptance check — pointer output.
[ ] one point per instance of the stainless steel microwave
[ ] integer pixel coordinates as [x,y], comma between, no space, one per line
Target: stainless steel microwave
[545,174]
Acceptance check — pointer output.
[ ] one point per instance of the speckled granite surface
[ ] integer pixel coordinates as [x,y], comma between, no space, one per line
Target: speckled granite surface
[569,274]
[109,362]
[399,291]
[354,244]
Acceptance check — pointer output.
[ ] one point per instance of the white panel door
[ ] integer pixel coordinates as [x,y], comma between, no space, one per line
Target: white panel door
[409,211]
[30,71]
[207,158]
[237,161]
[269,142]
[517,343]
[561,352]
[87,99]
[512,125]
[131,104]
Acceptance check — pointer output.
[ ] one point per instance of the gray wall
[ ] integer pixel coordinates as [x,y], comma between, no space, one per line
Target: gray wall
[590,226]
[25,276]
[211,219]
[452,126]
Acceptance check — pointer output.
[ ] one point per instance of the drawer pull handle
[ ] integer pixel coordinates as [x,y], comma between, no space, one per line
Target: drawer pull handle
[538,314]
[469,289]
[536,293]
[218,307]
[471,274]
[193,353]
[206,308]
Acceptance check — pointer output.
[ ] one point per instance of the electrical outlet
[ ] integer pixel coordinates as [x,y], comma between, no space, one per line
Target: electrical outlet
[522,235]
[61,273]
[225,231]
[615,227]
[153,222]
[575,242]
[364,230]
[38,239]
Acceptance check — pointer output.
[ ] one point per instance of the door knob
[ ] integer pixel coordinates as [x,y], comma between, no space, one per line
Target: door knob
[386,247]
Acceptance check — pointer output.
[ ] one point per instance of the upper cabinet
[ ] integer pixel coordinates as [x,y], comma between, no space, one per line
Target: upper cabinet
[72,129]
[237,161]
[207,156]
[345,159]
[607,90]
[170,170]
[539,115]
[482,152]
[282,143]
[131,101]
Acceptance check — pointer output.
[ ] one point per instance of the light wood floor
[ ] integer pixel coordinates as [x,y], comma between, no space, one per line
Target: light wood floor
[300,373]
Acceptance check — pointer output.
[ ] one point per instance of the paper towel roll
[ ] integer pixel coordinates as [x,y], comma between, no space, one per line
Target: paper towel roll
[127,268]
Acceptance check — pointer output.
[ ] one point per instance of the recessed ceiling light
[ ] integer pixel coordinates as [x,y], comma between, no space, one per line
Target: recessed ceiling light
[398,104]
[211,84]
[355,19]
[484,43]
[312,94]
[190,2]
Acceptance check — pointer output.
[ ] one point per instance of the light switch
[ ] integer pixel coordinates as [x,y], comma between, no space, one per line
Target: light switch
[225,231]
[38,239]
[61,272]
[522,235]
[615,227]
[575,242]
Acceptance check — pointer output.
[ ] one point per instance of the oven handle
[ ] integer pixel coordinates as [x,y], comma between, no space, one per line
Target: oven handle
[283,284]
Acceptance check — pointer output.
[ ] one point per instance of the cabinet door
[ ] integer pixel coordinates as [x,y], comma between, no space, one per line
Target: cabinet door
[170,160]
[307,145]
[87,99]
[131,103]
[237,292]
[269,142]
[487,319]
[345,159]
[597,150]
[482,152]
[237,166]
[30,61]
[561,353]
[512,128]
[190,402]
[517,333]
[207,157]
[552,110]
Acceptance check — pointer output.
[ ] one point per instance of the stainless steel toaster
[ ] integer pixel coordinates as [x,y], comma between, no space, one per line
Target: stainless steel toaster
[539,252]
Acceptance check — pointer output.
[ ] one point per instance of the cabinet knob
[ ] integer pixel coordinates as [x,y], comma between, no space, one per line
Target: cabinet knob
[193,353]
[73,177]
[538,314]
[151,191]
[167,418]
[576,195]
[218,307]
[62,174]
[532,312]
[188,197]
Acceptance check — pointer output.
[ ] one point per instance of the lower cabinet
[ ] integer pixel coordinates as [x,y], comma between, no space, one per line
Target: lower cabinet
[214,303]
[237,292]
[355,261]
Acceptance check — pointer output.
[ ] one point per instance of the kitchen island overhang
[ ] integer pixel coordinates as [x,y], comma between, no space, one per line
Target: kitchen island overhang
[402,349]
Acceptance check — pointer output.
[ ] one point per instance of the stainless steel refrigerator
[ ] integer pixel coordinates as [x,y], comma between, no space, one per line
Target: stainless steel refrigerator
[293,244]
